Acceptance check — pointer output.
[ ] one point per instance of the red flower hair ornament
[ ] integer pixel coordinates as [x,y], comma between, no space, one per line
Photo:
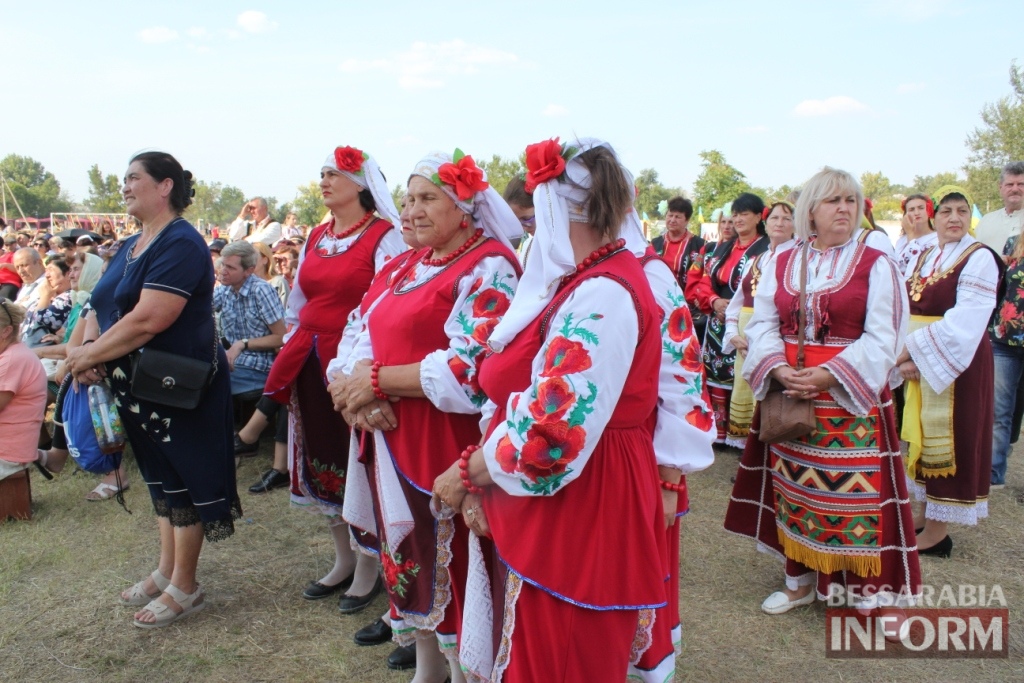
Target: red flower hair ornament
[349,159]
[929,206]
[463,175]
[545,161]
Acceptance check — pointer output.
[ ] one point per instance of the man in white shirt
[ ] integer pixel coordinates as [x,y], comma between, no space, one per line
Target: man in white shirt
[254,224]
[1002,224]
[29,266]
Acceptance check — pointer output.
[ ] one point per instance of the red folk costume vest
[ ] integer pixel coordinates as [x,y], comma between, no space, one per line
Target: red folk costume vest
[596,541]
[333,286]
[404,328]
[837,312]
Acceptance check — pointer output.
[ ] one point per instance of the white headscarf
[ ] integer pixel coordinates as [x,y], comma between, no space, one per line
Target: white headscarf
[489,211]
[92,269]
[557,202]
[369,178]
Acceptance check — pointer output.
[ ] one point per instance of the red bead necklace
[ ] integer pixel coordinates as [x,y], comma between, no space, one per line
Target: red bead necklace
[457,253]
[596,256]
[348,231]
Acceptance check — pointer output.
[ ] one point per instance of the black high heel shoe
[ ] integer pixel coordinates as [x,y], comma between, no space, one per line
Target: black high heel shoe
[943,548]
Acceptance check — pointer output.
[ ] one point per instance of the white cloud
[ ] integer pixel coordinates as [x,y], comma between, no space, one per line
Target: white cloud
[904,88]
[252,21]
[158,34]
[198,33]
[752,129]
[840,104]
[555,110]
[430,65]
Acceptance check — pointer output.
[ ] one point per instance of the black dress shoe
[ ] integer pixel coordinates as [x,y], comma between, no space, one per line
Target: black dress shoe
[271,479]
[402,658]
[943,548]
[244,449]
[376,633]
[352,604]
[317,591]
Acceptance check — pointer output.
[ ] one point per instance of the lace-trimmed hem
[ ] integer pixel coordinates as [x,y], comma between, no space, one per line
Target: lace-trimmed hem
[216,530]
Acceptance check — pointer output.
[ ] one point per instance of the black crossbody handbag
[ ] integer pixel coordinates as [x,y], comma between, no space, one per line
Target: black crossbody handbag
[169,379]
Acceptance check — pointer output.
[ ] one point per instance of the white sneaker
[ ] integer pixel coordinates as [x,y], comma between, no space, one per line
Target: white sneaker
[779,603]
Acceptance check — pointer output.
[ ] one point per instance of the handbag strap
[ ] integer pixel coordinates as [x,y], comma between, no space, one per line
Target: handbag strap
[801,314]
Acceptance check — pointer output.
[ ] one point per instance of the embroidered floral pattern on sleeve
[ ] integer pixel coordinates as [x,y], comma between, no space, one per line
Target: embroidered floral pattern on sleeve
[480,314]
[679,342]
[542,445]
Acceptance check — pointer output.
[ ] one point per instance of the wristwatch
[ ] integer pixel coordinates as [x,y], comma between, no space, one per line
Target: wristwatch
[245,344]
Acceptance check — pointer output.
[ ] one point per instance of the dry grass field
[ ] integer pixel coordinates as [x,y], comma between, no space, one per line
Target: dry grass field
[60,574]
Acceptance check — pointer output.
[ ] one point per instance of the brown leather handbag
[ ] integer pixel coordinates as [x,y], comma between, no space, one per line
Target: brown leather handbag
[784,418]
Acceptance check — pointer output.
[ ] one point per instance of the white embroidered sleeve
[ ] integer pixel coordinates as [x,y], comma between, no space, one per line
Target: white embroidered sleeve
[945,348]
[449,376]
[391,245]
[684,433]
[765,349]
[732,316]
[553,426]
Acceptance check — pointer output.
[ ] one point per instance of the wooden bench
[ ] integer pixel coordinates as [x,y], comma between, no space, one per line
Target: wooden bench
[16,497]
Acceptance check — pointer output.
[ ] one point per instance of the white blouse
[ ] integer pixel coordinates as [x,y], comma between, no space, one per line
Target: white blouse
[945,348]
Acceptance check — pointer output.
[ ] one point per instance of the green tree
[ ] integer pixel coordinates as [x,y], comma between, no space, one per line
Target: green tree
[650,193]
[500,170]
[308,204]
[928,184]
[104,192]
[397,192]
[36,189]
[718,182]
[876,185]
[215,203]
[998,141]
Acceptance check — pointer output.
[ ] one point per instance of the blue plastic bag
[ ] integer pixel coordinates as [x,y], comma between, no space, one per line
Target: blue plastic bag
[81,436]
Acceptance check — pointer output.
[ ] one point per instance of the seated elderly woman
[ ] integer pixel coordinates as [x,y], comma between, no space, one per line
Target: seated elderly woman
[22,394]
[833,503]
[55,302]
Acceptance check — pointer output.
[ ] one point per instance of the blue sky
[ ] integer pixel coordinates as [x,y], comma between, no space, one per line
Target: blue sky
[256,95]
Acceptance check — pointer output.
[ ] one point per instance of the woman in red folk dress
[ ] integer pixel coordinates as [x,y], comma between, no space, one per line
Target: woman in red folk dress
[832,504]
[337,264]
[426,336]
[568,456]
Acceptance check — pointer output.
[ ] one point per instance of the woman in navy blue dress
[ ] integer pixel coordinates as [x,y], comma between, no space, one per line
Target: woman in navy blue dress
[157,293]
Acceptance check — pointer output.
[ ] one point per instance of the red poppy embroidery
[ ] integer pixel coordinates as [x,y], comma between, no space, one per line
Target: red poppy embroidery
[482,332]
[477,283]
[506,455]
[490,303]
[460,369]
[691,357]
[549,448]
[329,481]
[565,357]
[679,325]
[701,419]
[553,400]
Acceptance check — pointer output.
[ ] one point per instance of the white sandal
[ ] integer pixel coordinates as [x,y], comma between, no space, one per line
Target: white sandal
[165,616]
[137,595]
[105,491]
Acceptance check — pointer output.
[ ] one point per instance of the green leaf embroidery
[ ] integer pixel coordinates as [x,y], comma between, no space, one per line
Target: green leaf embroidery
[672,350]
[584,406]
[545,486]
[677,301]
[463,319]
[496,283]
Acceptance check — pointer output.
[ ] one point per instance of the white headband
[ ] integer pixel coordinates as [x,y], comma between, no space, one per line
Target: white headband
[488,209]
[557,202]
[366,175]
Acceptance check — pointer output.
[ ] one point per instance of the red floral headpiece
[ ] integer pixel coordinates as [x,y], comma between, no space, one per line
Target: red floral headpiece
[929,206]
[462,174]
[545,161]
[349,159]
[868,205]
